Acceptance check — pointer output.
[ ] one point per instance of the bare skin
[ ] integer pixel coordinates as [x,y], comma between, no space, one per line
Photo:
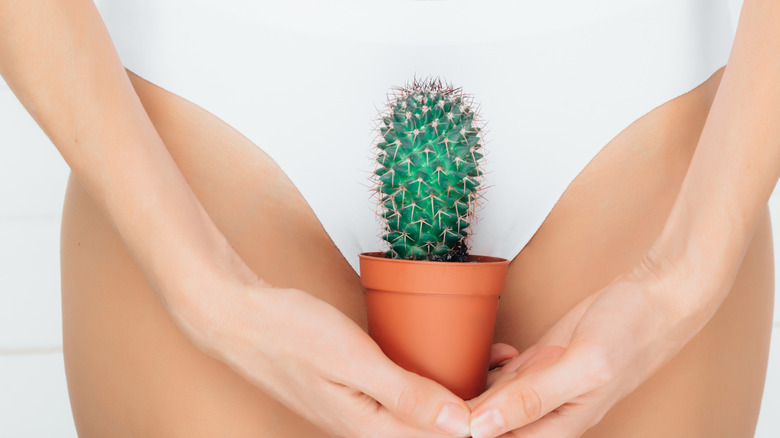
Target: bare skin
[131,371]
[184,318]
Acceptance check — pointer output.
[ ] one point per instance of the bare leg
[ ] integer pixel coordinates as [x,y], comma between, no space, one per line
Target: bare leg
[130,371]
[601,227]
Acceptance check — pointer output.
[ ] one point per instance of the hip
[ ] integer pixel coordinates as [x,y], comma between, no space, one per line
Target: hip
[129,369]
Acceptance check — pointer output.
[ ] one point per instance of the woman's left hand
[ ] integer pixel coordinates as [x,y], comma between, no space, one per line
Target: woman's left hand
[598,353]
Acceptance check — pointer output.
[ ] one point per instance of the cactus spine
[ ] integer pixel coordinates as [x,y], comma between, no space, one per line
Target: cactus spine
[429,170]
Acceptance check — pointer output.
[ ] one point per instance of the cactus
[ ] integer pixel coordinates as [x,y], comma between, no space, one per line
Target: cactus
[428,173]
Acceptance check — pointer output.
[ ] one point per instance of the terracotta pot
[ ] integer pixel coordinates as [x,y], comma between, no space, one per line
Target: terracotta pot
[435,318]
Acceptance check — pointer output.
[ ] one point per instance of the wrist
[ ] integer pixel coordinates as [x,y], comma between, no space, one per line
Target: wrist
[211,298]
[688,289]
[666,272]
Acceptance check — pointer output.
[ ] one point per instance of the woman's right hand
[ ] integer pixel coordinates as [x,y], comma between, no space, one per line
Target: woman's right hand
[316,361]
[299,349]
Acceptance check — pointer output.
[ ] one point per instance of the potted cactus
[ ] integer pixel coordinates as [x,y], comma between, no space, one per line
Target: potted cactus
[431,305]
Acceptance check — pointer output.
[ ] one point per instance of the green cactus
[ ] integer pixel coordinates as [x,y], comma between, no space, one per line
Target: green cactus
[429,170]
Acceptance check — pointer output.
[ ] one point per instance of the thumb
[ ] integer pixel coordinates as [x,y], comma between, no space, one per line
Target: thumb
[544,382]
[417,400]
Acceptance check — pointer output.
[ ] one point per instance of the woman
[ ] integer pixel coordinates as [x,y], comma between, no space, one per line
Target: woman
[194,306]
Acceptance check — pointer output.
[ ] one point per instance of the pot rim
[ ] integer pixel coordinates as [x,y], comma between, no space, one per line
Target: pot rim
[484,276]
[471,258]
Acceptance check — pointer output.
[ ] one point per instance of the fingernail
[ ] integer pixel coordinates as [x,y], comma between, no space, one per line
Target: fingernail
[453,420]
[489,424]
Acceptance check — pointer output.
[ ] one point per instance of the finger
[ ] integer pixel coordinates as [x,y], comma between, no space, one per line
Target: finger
[541,358]
[363,416]
[427,404]
[514,364]
[501,353]
[530,361]
[415,399]
[495,376]
[390,426]
[544,386]
[508,369]
[564,422]
[560,333]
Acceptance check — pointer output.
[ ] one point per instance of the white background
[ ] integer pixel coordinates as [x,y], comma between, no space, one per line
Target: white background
[33,392]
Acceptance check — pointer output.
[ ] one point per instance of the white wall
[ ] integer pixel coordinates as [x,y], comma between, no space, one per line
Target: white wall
[33,393]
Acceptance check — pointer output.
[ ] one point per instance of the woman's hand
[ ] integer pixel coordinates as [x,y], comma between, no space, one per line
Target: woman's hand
[598,353]
[319,363]
[617,338]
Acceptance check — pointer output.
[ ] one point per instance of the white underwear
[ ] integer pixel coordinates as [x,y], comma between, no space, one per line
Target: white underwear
[305,80]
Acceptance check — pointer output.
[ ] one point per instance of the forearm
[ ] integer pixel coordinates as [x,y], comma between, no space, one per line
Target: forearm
[58,59]
[733,171]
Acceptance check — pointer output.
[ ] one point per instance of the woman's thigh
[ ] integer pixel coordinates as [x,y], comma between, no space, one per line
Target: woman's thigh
[601,226]
[131,371]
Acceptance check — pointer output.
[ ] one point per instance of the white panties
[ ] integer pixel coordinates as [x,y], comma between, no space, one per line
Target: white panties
[305,80]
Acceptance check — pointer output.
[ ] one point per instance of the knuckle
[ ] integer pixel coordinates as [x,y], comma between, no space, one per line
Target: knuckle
[410,398]
[602,369]
[526,403]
